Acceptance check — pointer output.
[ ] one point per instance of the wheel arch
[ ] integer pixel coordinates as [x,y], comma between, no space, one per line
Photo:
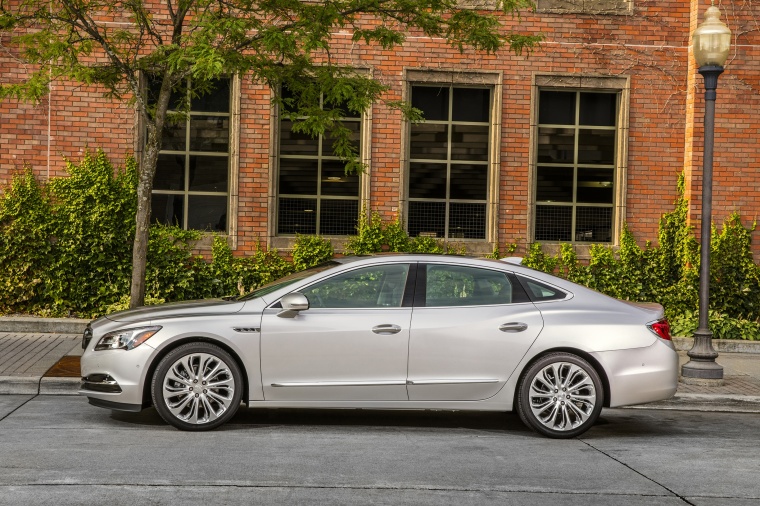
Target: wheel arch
[146,394]
[574,351]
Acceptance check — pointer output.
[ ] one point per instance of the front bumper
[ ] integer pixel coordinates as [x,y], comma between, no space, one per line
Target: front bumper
[640,375]
[113,378]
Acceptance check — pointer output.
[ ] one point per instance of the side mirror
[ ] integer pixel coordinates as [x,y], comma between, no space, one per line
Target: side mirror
[292,303]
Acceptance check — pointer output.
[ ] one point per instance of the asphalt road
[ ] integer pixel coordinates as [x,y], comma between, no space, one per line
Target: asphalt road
[62,451]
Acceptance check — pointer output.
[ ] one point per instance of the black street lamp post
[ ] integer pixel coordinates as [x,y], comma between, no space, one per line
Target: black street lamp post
[711,42]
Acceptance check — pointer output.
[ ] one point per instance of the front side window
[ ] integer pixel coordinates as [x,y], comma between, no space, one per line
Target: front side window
[315,195]
[369,287]
[454,285]
[190,188]
[575,170]
[448,162]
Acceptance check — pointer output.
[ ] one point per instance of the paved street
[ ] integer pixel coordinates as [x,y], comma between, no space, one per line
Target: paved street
[59,450]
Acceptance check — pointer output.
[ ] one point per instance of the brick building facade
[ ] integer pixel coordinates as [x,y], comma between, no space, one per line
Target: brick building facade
[588,132]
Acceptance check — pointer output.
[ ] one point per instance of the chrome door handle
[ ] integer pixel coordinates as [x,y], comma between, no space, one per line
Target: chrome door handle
[513,327]
[386,328]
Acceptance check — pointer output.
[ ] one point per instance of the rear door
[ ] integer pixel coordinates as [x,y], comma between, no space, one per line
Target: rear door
[471,326]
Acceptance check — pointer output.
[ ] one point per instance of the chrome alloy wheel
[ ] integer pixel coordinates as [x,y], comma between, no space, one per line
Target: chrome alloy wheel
[199,388]
[562,396]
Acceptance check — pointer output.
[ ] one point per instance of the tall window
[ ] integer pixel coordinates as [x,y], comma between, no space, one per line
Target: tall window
[190,188]
[448,162]
[315,196]
[576,151]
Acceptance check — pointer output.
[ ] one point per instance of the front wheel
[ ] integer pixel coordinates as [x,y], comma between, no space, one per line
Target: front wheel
[560,396]
[197,386]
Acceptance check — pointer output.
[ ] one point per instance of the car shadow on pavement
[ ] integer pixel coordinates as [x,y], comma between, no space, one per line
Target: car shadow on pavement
[250,418]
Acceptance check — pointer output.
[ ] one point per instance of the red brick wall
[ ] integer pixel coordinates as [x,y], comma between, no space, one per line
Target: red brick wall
[650,46]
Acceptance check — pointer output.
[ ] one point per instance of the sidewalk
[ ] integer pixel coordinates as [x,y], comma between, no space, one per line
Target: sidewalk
[41,356]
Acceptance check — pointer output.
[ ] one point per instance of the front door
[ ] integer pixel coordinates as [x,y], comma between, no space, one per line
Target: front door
[470,328]
[351,344]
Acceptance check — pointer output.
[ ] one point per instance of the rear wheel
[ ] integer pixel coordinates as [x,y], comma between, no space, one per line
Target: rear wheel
[197,386]
[560,396]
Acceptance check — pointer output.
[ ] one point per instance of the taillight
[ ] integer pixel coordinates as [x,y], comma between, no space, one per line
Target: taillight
[661,328]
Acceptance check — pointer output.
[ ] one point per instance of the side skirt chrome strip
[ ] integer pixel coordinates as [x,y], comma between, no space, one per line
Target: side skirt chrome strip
[450,381]
[341,384]
[385,383]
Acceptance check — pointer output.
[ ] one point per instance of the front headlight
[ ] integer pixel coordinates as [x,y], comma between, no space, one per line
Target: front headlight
[126,339]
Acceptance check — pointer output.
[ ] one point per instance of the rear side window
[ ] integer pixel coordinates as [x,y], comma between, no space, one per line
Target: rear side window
[540,292]
[455,285]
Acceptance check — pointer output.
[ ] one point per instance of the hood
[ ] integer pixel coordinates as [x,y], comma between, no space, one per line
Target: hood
[208,307]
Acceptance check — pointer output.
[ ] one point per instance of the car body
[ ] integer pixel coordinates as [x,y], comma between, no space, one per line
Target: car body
[388,332]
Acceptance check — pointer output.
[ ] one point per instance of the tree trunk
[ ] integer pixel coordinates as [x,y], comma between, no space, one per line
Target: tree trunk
[146,173]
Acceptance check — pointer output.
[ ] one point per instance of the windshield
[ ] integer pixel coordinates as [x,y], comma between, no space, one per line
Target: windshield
[287,280]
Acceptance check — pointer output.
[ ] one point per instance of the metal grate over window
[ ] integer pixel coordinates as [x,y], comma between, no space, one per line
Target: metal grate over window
[448,162]
[315,195]
[576,159]
[190,188]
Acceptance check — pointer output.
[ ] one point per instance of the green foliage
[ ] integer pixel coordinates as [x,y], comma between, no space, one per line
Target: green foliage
[370,235]
[669,273]
[311,250]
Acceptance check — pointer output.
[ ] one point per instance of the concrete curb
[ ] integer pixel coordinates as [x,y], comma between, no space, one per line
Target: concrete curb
[720,345]
[36,385]
[707,402]
[32,325]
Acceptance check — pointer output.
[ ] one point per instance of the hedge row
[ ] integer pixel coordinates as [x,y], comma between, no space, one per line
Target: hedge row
[65,249]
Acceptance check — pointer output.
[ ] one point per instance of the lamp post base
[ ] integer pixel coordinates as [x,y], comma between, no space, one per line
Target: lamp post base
[702,369]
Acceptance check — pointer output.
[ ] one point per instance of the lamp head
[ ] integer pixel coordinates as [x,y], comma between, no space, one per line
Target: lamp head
[711,41]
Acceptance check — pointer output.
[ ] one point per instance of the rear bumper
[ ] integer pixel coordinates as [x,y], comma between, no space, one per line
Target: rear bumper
[640,375]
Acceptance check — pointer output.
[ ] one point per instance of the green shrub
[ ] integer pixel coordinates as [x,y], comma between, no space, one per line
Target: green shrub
[311,250]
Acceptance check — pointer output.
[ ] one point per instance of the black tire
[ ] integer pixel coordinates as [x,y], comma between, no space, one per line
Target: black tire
[546,408]
[197,386]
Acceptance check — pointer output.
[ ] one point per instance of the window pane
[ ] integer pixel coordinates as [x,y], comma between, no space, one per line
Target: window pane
[554,184]
[595,186]
[174,136]
[596,146]
[433,101]
[206,212]
[167,209]
[427,219]
[355,128]
[467,221]
[338,217]
[208,173]
[209,133]
[344,110]
[541,292]
[471,104]
[593,224]
[553,223]
[154,87]
[292,143]
[298,177]
[216,100]
[336,182]
[598,109]
[370,287]
[469,142]
[556,145]
[428,141]
[427,180]
[452,285]
[469,182]
[297,216]
[170,173]
[556,108]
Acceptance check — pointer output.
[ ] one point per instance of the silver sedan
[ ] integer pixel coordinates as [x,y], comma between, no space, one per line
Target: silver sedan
[388,332]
